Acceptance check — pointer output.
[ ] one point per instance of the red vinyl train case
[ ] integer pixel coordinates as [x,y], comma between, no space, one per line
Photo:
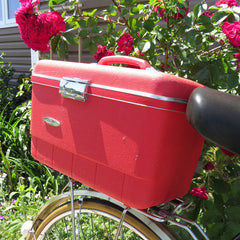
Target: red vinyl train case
[122,131]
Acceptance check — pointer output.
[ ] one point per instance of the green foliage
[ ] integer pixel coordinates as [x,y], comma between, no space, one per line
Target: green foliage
[24,183]
[6,74]
[192,46]
[12,94]
[16,156]
[14,121]
[219,215]
[20,206]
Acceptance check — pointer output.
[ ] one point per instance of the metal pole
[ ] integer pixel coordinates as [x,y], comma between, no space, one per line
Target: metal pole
[72,206]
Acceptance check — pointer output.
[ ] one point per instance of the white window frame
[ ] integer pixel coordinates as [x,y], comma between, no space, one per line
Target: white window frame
[34,58]
[5,21]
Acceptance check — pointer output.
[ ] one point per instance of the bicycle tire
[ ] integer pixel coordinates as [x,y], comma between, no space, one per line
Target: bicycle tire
[55,224]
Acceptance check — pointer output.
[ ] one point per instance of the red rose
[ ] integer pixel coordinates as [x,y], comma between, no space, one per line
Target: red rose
[208,14]
[228,153]
[238,66]
[28,7]
[222,42]
[163,68]
[199,192]
[236,55]
[176,16]
[53,22]
[102,52]
[230,3]
[36,36]
[208,166]
[125,43]
[232,31]
[36,30]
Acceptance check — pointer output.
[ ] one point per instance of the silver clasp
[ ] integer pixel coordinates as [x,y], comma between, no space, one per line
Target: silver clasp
[73,88]
[51,121]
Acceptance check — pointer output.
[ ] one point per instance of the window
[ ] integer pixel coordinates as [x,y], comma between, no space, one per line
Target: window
[1,15]
[7,12]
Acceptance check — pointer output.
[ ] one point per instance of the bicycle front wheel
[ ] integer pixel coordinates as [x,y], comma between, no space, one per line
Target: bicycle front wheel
[96,220]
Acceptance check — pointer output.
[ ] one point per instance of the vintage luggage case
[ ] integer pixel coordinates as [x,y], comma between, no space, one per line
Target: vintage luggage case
[119,130]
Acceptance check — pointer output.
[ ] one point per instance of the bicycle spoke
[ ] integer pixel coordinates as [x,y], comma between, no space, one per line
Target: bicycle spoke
[92,226]
[107,228]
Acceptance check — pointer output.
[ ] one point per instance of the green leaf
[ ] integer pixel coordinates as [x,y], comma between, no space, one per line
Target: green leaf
[219,17]
[124,12]
[86,42]
[54,42]
[214,72]
[231,230]
[134,23]
[92,47]
[128,3]
[83,23]
[212,215]
[72,23]
[135,10]
[92,22]
[216,229]
[149,25]
[204,19]
[52,3]
[206,28]
[200,72]
[189,19]
[198,39]
[100,40]
[84,33]
[71,38]
[233,17]
[233,213]
[191,36]
[184,3]
[89,14]
[236,17]
[112,10]
[62,49]
[232,80]
[199,9]
[97,30]
[224,65]
[220,186]
[111,27]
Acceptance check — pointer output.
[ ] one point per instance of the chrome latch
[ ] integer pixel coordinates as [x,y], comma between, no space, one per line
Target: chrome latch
[73,88]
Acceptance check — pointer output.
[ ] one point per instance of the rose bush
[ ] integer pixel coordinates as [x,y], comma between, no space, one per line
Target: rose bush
[202,45]
[166,13]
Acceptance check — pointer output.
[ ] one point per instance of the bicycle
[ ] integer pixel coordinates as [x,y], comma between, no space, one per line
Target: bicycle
[88,214]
